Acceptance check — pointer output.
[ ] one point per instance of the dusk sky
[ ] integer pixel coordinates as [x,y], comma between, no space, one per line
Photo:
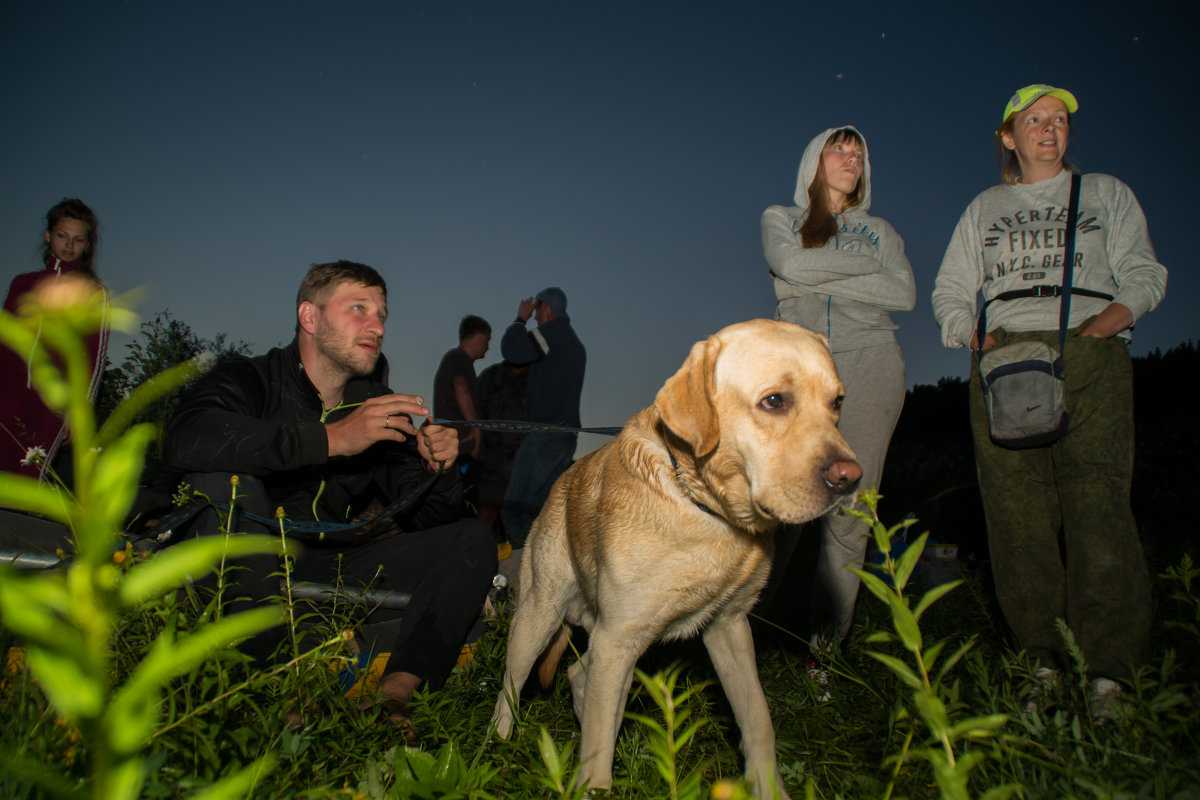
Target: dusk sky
[477,152]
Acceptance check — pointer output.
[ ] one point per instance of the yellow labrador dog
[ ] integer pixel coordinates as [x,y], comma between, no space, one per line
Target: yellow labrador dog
[667,530]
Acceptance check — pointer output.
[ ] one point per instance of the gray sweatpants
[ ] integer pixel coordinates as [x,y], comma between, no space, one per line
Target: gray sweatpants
[875,385]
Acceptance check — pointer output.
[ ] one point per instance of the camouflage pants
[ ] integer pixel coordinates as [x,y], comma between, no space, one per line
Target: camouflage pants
[1063,540]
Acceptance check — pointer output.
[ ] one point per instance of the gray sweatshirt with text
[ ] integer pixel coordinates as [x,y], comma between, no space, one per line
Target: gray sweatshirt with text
[848,289]
[1012,237]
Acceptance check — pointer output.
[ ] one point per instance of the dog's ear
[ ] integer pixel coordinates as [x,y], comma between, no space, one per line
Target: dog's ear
[685,401]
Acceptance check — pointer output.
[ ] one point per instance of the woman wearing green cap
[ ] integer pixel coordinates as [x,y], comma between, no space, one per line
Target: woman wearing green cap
[1011,238]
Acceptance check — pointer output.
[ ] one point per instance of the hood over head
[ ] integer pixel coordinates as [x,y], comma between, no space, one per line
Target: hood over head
[812,158]
[556,298]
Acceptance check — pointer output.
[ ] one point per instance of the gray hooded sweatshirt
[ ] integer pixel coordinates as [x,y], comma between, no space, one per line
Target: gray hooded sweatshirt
[848,289]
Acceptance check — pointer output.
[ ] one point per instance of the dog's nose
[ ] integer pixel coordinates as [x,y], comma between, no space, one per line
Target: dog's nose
[843,476]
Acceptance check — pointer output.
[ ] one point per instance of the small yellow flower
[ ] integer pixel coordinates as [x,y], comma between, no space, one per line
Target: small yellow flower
[74,738]
[726,790]
[124,555]
[14,659]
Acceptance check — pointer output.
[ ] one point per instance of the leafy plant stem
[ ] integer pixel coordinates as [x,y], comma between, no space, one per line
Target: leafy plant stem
[255,680]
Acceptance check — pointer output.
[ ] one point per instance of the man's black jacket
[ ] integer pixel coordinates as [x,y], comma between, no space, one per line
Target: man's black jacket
[262,416]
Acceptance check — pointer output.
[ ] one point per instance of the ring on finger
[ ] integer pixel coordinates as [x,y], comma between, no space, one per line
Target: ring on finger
[387,420]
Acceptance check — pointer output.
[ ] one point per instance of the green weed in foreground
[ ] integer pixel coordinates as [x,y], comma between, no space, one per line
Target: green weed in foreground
[945,745]
[129,692]
[670,738]
[66,618]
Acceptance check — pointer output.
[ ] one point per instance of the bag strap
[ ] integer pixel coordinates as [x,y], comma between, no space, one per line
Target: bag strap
[1064,291]
[1046,291]
[1064,311]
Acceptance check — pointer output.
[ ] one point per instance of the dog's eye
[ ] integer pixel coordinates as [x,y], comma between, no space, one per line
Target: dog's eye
[774,402]
[837,404]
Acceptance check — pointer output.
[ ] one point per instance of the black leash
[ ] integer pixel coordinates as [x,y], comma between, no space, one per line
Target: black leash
[517,426]
[161,532]
[335,532]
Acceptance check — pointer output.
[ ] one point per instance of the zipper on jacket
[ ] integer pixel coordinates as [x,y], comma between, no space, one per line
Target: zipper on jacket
[837,245]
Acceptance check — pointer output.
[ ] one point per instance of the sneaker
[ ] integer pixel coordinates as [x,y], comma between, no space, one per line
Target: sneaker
[496,595]
[360,673]
[1104,699]
[818,675]
[1037,697]
[510,567]
[465,655]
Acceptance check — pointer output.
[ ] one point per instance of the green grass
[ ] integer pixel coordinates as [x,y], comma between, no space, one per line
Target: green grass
[214,723]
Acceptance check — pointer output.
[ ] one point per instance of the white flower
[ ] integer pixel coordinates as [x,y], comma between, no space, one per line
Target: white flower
[205,361]
[34,455]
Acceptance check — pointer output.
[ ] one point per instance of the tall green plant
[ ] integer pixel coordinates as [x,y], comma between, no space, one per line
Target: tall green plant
[66,617]
[1183,576]
[945,745]
[669,738]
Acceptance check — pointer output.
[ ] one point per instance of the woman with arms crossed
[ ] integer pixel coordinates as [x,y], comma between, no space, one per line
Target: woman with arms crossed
[841,272]
[1011,237]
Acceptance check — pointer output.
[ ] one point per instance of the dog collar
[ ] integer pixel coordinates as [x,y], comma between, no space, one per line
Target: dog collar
[679,478]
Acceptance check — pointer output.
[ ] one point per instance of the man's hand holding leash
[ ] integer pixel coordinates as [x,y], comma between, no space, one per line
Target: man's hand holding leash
[438,445]
[378,419]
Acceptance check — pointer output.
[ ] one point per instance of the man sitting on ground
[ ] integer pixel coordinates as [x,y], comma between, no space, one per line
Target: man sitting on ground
[308,428]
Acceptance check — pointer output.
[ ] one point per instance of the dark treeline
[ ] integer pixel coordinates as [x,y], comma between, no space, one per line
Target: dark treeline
[931,454]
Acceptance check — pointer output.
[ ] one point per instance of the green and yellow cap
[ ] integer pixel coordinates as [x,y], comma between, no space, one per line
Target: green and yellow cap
[1028,95]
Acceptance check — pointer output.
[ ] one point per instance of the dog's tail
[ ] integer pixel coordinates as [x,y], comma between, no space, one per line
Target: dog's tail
[548,663]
